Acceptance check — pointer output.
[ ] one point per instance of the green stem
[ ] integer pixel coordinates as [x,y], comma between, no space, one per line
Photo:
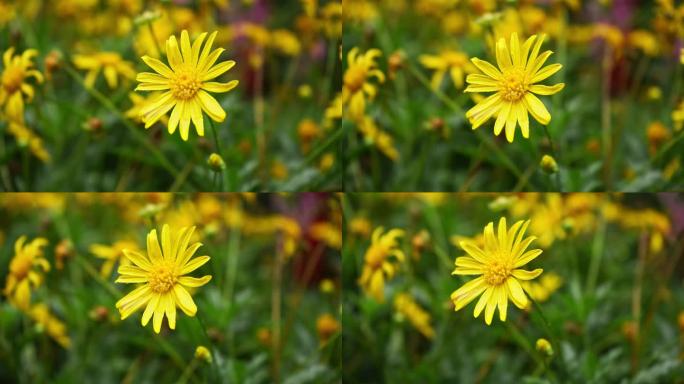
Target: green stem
[90,270]
[209,343]
[503,157]
[556,175]
[216,140]
[187,372]
[596,255]
[547,328]
[133,129]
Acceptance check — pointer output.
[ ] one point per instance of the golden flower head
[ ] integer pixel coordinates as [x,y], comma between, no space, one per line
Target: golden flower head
[378,264]
[498,265]
[16,71]
[162,275]
[110,63]
[356,81]
[25,271]
[514,84]
[186,84]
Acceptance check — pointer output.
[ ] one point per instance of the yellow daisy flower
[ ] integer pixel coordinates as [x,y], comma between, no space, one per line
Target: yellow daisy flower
[377,264]
[515,85]
[110,63]
[17,69]
[186,84]
[162,275]
[112,254]
[417,316]
[361,68]
[23,271]
[53,326]
[454,62]
[498,264]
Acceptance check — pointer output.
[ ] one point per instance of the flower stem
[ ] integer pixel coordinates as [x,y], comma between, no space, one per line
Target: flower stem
[134,130]
[503,157]
[556,175]
[214,370]
[547,328]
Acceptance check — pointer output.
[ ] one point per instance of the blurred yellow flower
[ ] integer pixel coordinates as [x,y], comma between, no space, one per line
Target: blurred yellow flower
[454,62]
[497,264]
[514,84]
[162,275]
[27,138]
[25,271]
[139,103]
[326,327]
[50,324]
[417,316]
[377,265]
[357,87]
[186,84]
[541,290]
[110,63]
[17,69]
[113,254]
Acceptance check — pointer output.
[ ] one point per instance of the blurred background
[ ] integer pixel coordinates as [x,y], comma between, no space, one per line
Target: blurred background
[612,290]
[271,310]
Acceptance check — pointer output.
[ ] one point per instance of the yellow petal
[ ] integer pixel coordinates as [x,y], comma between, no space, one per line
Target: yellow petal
[218,70]
[537,109]
[546,89]
[194,264]
[170,308]
[522,274]
[194,282]
[158,66]
[516,293]
[197,119]
[184,300]
[211,106]
[138,259]
[173,54]
[158,316]
[483,301]
[487,68]
[153,250]
[502,299]
[219,87]
[149,309]
[186,50]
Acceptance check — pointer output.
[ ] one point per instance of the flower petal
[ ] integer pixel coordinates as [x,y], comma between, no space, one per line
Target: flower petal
[218,70]
[158,66]
[526,275]
[194,264]
[138,259]
[184,300]
[219,87]
[194,282]
[211,106]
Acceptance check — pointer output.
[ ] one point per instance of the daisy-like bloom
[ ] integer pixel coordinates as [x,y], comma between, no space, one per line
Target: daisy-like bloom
[53,326]
[112,254]
[377,265]
[417,316]
[515,84]
[186,84]
[456,63]
[139,103]
[25,271]
[17,69]
[357,86]
[497,264]
[162,275]
[110,63]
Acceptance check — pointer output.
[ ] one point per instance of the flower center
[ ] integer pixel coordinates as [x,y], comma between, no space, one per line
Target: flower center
[513,85]
[497,273]
[354,78]
[185,85]
[12,79]
[21,266]
[162,278]
[375,257]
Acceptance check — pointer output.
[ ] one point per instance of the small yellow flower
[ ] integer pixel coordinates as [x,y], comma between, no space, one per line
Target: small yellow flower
[55,328]
[456,63]
[377,264]
[514,84]
[162,275]
[186,84]
[27,138]
[357,87]
[139,103]
[215,162]
[25,271]
[110,63]
[542,289]
[326,326]
[417,316]
[17,69]
[113,254]
[497,264]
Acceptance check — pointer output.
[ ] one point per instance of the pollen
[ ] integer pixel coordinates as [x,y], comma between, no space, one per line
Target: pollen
[497,273]
[185,85]
[513,85]
[163,278]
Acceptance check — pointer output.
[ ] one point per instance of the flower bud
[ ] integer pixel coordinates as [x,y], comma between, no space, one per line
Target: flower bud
[543,346]
[216,163]
[548,164]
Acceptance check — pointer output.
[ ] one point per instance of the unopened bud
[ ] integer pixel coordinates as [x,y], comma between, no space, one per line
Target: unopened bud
[216,162]
[544,347]
[548,164]
[202,353]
